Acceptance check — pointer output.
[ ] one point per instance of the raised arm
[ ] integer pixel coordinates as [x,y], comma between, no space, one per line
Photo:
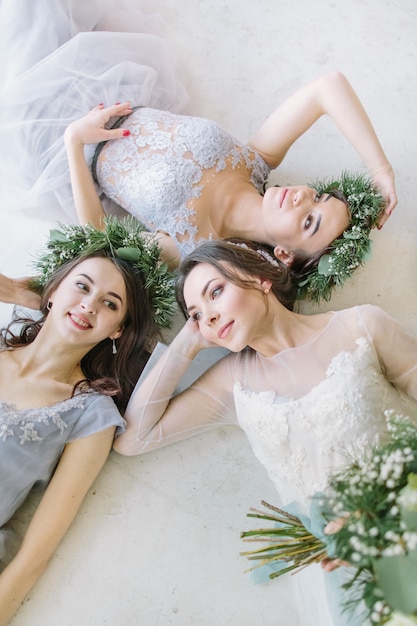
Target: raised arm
[90,129]
[155,418]
[18,291]
[330,95]
[77,469]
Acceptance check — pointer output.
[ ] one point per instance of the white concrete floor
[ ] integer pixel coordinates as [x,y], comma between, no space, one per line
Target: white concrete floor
[157,540]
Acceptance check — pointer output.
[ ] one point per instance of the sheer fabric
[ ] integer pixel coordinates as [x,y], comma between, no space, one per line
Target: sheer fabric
[60,59]
[64,57]
[306,411]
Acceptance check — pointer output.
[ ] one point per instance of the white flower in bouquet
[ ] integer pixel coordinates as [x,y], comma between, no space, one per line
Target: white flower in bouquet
[399,619]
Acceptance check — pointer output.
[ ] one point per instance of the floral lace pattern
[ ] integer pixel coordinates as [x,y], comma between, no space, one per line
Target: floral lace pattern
[300,441]
[24,424]
[156,173]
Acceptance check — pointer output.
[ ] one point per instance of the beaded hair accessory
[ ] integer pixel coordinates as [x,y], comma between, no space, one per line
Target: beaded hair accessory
[263,253]
[125,239]
[353,247]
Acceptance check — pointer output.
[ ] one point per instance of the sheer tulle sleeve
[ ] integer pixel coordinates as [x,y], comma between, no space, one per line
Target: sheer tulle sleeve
[395,347]
[157,417]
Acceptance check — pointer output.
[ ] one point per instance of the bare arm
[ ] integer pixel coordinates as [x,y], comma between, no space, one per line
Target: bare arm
[77,469]
[90,129]
[330,95]
[17,291]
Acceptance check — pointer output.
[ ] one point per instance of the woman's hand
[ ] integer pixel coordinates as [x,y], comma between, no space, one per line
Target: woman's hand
[329,565]
[189,341]
[18,291]
[92,129]
[384,180]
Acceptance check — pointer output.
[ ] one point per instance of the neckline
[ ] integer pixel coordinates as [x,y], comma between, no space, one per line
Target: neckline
[47,407]
[332,316]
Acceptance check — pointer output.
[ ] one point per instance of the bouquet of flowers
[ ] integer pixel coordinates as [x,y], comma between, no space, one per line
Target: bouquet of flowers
[375,498]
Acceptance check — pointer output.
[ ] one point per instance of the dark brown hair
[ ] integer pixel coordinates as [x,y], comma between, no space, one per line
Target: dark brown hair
[247,258]
[108,373]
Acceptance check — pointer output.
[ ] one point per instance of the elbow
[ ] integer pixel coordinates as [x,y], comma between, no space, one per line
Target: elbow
[335,79]
[125,446]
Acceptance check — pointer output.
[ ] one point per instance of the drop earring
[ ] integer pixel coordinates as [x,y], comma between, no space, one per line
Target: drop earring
[114,347]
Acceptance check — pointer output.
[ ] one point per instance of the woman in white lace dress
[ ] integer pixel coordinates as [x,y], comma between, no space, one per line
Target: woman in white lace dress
[309,391]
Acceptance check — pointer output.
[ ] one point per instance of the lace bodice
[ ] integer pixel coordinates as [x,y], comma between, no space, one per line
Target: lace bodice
[301,441]
[158,172]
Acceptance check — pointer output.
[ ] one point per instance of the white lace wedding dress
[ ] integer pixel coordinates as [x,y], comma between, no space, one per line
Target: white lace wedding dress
[306,411]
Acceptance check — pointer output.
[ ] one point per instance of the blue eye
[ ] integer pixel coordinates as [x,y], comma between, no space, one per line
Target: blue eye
[216,292]
[196,316]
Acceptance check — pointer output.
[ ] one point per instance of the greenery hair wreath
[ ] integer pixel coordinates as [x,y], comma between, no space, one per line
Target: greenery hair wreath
[126,239]
[353,247]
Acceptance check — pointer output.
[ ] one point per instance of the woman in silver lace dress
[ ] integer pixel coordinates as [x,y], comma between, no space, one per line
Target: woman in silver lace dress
[182,176]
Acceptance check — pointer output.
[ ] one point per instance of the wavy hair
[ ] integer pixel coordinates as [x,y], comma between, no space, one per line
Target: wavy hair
[105,372]
[236,259]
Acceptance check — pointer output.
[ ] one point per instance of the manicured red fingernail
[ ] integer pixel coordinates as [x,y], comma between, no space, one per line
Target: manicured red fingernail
[126,133]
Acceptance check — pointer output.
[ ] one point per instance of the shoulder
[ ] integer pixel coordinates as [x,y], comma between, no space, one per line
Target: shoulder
[370,313]
[99,412]
[380,325]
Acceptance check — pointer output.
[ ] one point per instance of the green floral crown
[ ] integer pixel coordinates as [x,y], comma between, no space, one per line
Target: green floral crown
[353,247]
[125,239]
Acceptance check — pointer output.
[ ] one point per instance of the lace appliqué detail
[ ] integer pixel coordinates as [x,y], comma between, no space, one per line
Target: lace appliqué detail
[25,423]
[301,441]
[156,172]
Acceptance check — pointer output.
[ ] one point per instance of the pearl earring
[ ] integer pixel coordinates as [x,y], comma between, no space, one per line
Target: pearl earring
[266,291]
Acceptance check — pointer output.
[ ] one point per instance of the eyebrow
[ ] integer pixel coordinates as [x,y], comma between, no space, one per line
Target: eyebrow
[110,293]
[203,293]
[317,226]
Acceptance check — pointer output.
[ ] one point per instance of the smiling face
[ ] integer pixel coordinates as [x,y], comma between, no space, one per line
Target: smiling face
[298,218]
[228,315]
[89,305]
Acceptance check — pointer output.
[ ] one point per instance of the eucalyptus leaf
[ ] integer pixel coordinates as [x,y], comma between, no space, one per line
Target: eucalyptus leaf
[324,267]
[352,234]
[57,236]
[129,254]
